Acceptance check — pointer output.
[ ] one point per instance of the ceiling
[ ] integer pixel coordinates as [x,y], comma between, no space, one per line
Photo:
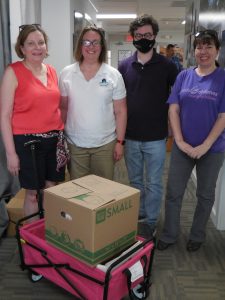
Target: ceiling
[169,14]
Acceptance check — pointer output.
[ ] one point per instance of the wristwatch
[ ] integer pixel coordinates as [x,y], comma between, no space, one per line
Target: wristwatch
[121,142]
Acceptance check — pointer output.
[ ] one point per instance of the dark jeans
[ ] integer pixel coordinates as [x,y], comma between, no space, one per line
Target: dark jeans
[181,166]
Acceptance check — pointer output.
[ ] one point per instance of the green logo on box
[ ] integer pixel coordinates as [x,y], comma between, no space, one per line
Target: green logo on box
[100,216]
[116,209]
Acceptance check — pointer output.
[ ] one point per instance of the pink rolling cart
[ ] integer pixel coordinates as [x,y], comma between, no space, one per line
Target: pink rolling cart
[128,274]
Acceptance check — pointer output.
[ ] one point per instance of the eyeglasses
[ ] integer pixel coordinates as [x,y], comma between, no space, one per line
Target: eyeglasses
[22,27]
[210,32]
[87,43]
[139,36]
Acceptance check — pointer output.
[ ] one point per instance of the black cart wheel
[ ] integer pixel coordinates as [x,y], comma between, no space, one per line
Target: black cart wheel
[34,277]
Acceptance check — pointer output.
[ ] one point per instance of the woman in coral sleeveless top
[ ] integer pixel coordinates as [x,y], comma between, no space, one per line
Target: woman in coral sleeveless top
[30,101]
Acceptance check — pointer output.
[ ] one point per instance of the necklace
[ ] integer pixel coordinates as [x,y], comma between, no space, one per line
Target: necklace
[39,72]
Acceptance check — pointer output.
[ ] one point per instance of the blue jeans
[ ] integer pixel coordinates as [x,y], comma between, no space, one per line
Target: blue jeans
[145,162]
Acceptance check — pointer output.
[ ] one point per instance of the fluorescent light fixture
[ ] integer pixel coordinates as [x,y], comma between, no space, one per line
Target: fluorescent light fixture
[93,6]
[116,16]
[87,17]
[212,17]
[78,15]
[183,22]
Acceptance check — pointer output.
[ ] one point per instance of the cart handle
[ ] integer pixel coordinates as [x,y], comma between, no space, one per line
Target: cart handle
[32,144]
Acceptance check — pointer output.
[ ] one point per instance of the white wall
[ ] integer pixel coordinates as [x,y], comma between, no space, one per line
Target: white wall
[15,21]
[217,214]
[115,48]
[56,20]
[22,12]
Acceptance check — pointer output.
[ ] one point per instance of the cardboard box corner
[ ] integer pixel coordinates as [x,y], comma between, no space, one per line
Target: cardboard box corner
[15,211]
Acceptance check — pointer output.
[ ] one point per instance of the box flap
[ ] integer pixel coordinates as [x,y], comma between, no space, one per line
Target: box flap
[68,190]
[91,191]
[18,198]
[102,186]
[92,200]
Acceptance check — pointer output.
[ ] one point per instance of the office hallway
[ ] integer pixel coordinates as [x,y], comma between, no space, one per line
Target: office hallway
[176,275]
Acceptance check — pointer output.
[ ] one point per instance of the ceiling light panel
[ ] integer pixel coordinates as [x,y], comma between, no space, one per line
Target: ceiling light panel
[115,16]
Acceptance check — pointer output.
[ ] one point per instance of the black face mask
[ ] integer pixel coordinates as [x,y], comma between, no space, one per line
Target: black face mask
[144,45]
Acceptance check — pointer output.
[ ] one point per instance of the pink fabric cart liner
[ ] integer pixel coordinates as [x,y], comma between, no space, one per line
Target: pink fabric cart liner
[86,288]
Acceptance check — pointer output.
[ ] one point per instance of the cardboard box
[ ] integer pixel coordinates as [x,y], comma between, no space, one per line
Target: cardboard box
[91,218]
[15,211]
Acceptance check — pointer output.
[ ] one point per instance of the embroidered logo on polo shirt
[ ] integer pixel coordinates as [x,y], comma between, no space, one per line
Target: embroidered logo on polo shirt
[104,82]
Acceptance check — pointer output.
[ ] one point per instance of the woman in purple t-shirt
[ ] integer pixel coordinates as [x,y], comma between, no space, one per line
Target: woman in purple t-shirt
[197,118]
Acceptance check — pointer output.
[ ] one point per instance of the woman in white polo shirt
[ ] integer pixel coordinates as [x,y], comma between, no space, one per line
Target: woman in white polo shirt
[93,108]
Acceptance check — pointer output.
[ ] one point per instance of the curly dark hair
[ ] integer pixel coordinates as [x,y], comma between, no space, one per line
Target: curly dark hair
[144,20]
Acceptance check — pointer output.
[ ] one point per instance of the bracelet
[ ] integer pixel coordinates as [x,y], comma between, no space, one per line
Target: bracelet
[121,142]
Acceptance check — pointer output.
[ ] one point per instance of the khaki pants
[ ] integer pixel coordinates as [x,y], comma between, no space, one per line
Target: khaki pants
[98,161]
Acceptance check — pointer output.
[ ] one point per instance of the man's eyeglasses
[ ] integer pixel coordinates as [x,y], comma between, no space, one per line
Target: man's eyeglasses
[22,27]
[87,43]
[210,32]
[139,36]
